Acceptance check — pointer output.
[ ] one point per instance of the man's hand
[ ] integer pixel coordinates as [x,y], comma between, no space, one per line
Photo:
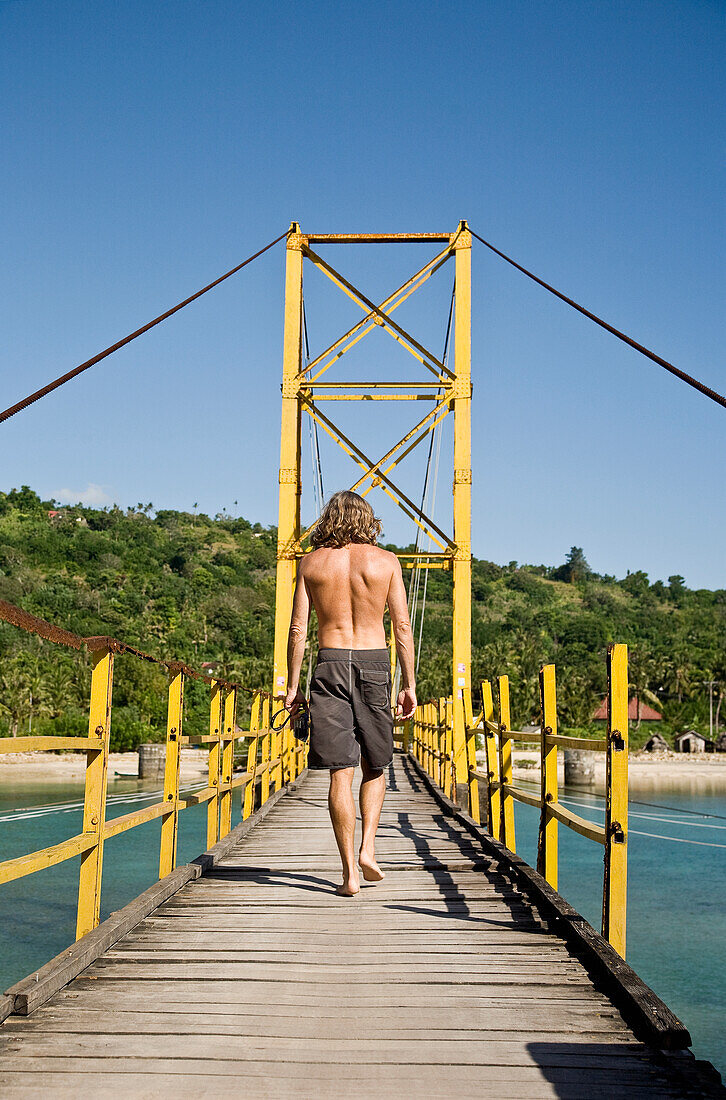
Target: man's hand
[294,700]
[406,703]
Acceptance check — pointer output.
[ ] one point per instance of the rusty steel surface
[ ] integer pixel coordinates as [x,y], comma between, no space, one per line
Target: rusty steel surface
[687,378]
[9,613]
[57,382]
[31,624]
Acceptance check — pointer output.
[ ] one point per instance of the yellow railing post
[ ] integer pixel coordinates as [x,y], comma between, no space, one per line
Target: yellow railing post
[94,805]
[450,745]
[275,751]
[616,801]
[407,736]
[493,779]
[427,738]
[471,756]
[417,735]
[229,717]
[505,764]
[248,804]
[287,753]
[547,844]
[170,820]
[433,727]
[265,754]
[215,752]
[444,719]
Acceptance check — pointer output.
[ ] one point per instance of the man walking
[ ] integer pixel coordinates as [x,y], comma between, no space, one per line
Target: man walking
[349,580]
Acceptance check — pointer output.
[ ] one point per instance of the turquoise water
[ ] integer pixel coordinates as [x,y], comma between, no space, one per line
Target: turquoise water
[676,897]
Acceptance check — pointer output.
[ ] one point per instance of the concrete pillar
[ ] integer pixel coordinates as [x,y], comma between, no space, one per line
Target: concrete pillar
[152,759]
[579,768]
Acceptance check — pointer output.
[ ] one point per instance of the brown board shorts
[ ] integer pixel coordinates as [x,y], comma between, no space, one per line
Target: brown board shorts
[350,709]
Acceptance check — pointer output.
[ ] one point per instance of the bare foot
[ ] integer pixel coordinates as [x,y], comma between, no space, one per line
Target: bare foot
[348,888]
[369,867]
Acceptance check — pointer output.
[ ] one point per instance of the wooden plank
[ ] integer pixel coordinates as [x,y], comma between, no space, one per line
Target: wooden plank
[38,987]
[6,1006]
[195,1077]
[649,1016]
[481,1050]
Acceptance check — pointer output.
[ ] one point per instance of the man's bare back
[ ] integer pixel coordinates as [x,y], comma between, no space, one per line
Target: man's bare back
[349,588]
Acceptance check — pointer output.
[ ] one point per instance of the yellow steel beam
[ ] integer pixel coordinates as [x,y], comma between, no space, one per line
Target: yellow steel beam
[170,824]
[424,356]
[493,778]
[229,717]
[249,795]
[288,526]
[367,323]
[136,817]
[390,488]
[33,743]
[417,433]
[505,765]
[377,238]
[547,845]
[616,801]
[94,805]
[440,383]
[48,857]
[374,397]
[462,493]
[215,762]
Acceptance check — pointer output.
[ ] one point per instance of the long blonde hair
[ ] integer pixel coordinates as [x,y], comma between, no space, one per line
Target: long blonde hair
[346,518]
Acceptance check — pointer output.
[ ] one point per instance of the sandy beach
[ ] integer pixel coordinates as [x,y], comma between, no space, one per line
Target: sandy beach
[698,773]
[62,767]
[702,771]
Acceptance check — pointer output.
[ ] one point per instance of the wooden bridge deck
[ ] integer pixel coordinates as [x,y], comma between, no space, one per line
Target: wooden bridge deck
[256,980]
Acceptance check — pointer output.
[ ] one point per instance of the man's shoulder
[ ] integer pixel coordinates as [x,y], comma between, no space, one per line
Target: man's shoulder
[308,561]
[382,558]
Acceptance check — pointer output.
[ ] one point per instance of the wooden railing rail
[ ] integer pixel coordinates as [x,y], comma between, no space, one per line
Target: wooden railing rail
[274,758]
[431,743]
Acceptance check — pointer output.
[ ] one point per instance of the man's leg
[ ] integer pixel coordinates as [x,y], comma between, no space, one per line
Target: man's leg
[342,813]
[372,793]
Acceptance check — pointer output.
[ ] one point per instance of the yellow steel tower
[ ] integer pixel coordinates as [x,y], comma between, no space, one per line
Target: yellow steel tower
[449,391]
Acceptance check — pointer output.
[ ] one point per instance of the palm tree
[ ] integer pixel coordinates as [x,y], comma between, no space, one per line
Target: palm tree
[642,668]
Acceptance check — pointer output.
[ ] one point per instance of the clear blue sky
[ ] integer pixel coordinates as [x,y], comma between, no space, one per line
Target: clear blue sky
[150,146]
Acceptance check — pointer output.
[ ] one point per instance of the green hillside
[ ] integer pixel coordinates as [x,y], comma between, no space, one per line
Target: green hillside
[201,589]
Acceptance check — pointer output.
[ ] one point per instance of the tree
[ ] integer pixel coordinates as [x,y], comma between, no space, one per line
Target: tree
[642,668]
[575,568]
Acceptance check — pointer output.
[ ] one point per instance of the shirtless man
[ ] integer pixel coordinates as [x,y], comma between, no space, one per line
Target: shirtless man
[349,581]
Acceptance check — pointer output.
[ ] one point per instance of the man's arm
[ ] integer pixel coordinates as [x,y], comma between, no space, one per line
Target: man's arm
[398,609]
[296,640]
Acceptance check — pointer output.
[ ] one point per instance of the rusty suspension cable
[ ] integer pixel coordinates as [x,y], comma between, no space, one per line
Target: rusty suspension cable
[33,397]
[706,390]
[31,624]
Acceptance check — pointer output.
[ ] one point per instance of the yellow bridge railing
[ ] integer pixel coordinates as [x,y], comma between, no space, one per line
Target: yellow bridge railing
[430,737]
[274,758]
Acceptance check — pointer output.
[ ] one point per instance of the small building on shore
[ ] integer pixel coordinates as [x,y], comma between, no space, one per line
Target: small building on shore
[656,743]
[690,741]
